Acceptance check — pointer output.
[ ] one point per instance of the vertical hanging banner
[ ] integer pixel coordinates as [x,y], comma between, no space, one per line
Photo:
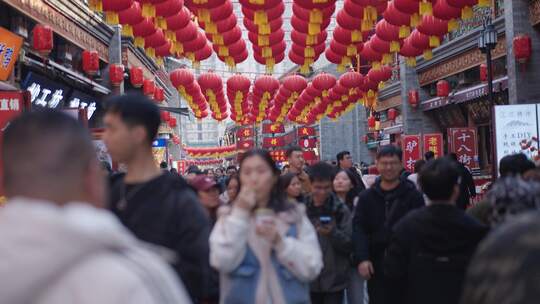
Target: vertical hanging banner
[278,155]
[244,133]
[271,128]
[272,142]
[463,142]
[434,143]
[411,151]
[305,131]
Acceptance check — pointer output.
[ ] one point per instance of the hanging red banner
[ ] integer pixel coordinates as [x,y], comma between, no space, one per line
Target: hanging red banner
[278,155]
[271,142]
[245,144]
[411,151]
[244,133]
[310,156]
[463,142]
[305,131]
[270,128]
[434,143]
[307,143]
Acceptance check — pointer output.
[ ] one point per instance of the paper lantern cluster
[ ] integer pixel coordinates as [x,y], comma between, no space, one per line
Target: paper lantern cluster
[309,22]
[211,152]
[212,88]
[184,81]
[316,92]
[263,20]
[289,91]
[238,92]
[217,19]
[264,89]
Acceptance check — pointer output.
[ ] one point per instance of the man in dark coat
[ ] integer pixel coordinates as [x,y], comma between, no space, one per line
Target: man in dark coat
[431,247]
[379,209]
[157,206]
[467,188]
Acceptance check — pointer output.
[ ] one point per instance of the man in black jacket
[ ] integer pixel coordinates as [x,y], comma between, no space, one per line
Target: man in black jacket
[431,247]
[467,188]
[158,207]
[379,209]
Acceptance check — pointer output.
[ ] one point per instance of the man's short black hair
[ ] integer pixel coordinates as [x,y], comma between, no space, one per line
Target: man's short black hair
[515,164]
[163,165]
[321,172]
[389,151]
[341,155]
[429,155]
[292,149]
[231,167]
[136,110]
[438,178]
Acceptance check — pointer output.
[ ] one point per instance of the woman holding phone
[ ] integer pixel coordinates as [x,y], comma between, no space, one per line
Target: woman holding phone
[265,248]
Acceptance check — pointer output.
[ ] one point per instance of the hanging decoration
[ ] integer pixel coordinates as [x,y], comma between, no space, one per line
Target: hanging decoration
[212,88]
[184,81]
[237,92]
[289,91]
[211,152]
[264,89]
[313,95]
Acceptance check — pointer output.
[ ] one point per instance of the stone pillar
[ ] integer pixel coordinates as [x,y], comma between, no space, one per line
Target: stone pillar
[415,121]
[522,81]
[115,55]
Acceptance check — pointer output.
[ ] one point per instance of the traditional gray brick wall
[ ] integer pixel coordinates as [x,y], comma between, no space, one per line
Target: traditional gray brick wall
[340,135]
[523,83]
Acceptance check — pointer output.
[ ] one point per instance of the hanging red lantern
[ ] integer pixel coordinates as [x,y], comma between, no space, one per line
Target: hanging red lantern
[392,114]
[159,94]
[483,72]
[149,87]
[351,79]
[165,116]
[395,17]
[172,122]
[443,10]
[443,88]
[136,76]
[90,62]
[116,74]
[263,16]
[42,39]
[409,52]
[522,48]
[435,28]
[143,29]
[371,122]
[129,17]
[413,98]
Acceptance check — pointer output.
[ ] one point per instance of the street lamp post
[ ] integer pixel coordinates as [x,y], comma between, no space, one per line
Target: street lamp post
[486,43]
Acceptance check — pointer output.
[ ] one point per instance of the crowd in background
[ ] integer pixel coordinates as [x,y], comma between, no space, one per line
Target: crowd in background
[254,233]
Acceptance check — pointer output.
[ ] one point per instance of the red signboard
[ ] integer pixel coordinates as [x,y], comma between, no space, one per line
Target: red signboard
[306,131]
[411,151]
[310,156]
[245,144]
[307,143]
[244,133]
[11,105]
[463,142]
[278,155]
[433,142]
[272,142]
[269,128]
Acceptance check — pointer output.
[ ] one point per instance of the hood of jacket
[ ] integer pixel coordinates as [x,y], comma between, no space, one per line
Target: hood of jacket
[39,241]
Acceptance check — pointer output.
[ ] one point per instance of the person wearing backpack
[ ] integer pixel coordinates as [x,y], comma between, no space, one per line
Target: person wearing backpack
[431,247]
[265,248]
[157,206]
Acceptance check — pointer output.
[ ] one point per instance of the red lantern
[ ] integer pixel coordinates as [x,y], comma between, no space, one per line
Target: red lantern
[522,48]
[443,88]
[116,74]
[42,39]
[392,114]
[483,72]
[371,122]
[90,62]
[413,97]
[365,139]
[165,116]
[136,76]
[172,122]
[159,94]
[434,28]
[149,87]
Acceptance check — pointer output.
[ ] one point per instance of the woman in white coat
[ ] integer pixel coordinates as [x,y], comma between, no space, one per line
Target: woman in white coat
[265,247]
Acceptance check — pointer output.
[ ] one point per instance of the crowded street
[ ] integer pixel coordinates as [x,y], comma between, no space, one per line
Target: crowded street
[269,151]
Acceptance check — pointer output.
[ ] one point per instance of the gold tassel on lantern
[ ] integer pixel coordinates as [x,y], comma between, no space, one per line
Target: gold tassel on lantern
[484,3]
[395,46]
[351,50]
[148,10]
[314,28]
[161,22]
[415,20]
[311,39]
[229,61]
[266,52]
[270,63]
[309,52]
[211,28]
[263,40]
[404,31]
[223,51]
[376,65]
[434,41]
[150,52]
[139,42]
[204,15]
[96,5]
[426,9]
[260,17]
[410,61]
[170,35]
[111,18]
[366,25]
[453,25]
[159,61]
[178,47]
[264,29]
[356,36]
[341,68]
[380,85]
[315,16]
[467,13]
[428,54]
[371,94]
[127,30]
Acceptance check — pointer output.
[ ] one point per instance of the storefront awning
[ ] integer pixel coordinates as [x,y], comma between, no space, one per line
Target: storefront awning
[464,95]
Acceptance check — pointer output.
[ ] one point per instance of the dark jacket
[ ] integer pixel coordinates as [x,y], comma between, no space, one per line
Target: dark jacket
[429,254]
[166,212]
[467,189]
[376,213]
[336,247]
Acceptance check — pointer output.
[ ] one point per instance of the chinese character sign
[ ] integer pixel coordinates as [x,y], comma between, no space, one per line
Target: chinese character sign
[516,130]
[306,131]
[244,133]
[434,143]
[271,142]
[278,155]
[270,128]
[11,105]
[463,142]
[411,151]
[10,45]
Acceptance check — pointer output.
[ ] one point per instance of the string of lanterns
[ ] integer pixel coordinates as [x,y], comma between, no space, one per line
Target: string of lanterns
[211,152]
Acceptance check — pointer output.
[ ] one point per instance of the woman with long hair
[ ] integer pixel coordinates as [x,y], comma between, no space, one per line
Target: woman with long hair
[232,187]
[292,187]
[265,248]
[345,187]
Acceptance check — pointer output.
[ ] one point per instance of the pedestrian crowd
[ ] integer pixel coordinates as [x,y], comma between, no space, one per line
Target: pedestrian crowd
[76,231]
